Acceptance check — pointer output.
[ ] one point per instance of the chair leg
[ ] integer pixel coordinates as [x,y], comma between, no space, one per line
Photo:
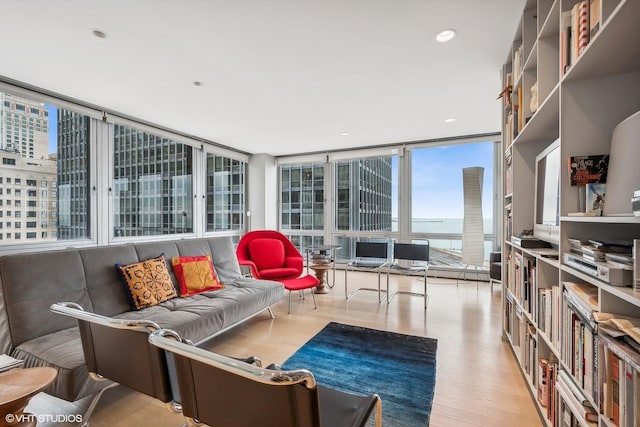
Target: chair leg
[315,307]
[289,310]
[378,412]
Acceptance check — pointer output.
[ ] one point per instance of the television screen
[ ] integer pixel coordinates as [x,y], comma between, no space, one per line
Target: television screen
[547,208]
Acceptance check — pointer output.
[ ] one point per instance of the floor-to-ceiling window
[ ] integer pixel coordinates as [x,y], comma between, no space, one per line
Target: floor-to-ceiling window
[302,203]
[225,188]
[366,195]
[437,202]
[153,184]
[413,194]
[44,174]
[71,175]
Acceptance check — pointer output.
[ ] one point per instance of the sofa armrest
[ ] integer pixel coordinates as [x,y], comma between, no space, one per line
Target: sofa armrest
[119,350]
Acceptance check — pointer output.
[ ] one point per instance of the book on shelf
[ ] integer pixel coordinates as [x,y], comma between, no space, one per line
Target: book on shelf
[588,169]
[615,388]
[620,324]
[620,382]
[595,10]
[583,26]
[565,42]
[520,109]
[584,295]
[571,394]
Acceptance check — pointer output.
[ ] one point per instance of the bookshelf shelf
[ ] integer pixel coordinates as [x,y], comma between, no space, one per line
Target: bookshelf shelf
[583,93]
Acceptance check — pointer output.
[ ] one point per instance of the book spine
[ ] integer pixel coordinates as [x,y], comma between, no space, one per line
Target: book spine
[583,26]
[615,389]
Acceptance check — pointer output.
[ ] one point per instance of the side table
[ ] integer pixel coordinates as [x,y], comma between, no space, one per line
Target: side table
[17,387]
[320,271]
[322,255]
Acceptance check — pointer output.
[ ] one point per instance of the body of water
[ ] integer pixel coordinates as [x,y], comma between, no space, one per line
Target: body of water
[441,225]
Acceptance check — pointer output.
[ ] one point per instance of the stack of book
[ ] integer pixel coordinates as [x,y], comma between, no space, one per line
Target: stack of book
[7,362]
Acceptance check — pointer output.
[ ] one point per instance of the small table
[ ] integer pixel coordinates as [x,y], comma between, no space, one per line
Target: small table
[322,258]
[320,270]
[17,387]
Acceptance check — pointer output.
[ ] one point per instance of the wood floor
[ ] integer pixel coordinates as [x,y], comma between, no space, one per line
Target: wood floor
[477,381]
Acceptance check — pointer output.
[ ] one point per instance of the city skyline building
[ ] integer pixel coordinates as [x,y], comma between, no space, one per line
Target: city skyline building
[73,137]
[153,192]
[28,180]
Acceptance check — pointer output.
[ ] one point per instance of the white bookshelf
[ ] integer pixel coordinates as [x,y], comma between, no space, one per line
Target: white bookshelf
[581,107]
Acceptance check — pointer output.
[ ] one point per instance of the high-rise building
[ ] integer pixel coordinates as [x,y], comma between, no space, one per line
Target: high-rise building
[73,172]
[24,127]
[363,191]
[28,183]
[364,194]
[153,192]
[28,199]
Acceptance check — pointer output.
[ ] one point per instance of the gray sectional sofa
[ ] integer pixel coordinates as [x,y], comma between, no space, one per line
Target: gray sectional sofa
[31,282]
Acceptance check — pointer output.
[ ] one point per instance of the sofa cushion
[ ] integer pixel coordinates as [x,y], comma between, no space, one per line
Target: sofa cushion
[195,274]
[147,282]
[61,350]
[31,282]
[267,254]
[278,273]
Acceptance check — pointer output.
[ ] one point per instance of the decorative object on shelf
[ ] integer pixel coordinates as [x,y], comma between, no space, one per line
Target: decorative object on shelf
[624,173]
[583,170]
[595,198]
[533,104]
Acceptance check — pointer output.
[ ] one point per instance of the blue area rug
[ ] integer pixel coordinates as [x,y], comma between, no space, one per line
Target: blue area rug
[400,368]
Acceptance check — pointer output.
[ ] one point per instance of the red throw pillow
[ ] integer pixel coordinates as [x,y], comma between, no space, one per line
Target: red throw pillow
[195,274]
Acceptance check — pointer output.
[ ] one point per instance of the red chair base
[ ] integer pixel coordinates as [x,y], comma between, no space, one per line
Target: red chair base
[300,284]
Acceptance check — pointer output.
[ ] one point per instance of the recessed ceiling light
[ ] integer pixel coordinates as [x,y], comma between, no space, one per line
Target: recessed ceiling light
[446,35]
[450,120]
[345,134]
[197,83]
[99,34]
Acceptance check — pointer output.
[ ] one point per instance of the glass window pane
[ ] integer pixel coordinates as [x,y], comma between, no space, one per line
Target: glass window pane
[55,154]
[367,194]
[225,193]
[302,196]
[437,176]
[152,185]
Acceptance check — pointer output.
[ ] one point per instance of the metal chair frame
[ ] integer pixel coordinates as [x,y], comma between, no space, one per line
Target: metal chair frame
[370,256]
[300,387]
[410,252]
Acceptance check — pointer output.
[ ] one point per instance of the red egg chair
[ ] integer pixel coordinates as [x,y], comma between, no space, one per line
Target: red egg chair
[270,255]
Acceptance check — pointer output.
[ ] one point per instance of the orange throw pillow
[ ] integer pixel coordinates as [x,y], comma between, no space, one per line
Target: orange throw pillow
[147,282]
[195,274]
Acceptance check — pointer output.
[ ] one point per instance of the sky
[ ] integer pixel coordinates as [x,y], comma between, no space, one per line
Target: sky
[53,128]
[437,179]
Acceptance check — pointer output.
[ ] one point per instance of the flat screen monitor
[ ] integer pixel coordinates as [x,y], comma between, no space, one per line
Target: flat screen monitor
[547,194]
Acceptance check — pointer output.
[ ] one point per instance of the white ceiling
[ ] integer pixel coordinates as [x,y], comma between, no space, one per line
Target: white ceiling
[278,76]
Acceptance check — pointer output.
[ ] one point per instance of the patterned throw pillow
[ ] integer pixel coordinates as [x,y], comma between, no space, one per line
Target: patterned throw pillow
[195,274]
[147,282]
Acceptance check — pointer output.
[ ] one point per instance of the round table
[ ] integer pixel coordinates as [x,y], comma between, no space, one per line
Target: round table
[320,270]
[17,387]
